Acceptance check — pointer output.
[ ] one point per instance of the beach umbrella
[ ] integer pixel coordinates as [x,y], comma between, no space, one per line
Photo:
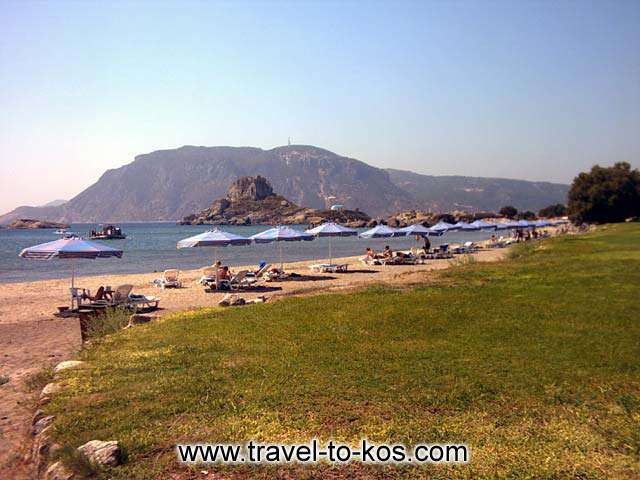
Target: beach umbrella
[281,234]
[458,225]
[441,227]
[70,248]
[213,238]
[482,225]
[380,231]
[418,230]
[541,223]
[470,227]
[523,224]
[505,225]
[330,230]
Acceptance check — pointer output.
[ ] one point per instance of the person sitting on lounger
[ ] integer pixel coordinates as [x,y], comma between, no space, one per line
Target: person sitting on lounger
[101,294]
[387,253]
[371,254]
[224,273]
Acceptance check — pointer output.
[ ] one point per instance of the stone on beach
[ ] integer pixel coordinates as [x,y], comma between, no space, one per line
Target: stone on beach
[102,453]
[50,389]
[69,365]
[57,471]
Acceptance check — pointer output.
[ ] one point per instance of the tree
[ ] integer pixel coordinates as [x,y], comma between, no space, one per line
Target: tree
[557,210]
[528,215]
[508,211]
[605,194]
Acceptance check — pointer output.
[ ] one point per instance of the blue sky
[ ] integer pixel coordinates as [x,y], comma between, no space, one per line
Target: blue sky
[532,90]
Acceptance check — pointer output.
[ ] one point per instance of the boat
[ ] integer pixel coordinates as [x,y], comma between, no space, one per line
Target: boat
[110,232]
[61,231]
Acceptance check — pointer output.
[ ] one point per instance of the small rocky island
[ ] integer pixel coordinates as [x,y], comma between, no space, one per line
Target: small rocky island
[32,224]
[251,201]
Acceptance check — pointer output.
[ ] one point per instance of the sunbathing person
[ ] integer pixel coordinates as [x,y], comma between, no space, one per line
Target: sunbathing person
[387,253]
[101,294]
[224,273]
[371,254]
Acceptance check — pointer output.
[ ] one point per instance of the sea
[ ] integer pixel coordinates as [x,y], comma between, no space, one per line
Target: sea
[151,247]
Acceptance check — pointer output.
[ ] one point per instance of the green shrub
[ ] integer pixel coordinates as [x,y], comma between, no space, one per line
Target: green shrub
[110,322]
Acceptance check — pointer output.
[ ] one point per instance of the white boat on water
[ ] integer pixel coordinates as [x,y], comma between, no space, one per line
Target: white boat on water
[61,231]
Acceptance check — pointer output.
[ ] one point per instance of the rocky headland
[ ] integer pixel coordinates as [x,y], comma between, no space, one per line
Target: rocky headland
[33,224]
[252,201]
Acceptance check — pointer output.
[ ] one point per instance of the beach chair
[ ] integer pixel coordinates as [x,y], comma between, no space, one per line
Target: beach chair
[469,247]
[170,279]
[77,296]
[120,297]
[241,280]
[443,252]
[329,267]
[208,276]
[264,269]
[136,301]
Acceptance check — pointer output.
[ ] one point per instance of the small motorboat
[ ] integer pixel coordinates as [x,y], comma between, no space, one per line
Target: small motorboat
[61,231]
[110,232]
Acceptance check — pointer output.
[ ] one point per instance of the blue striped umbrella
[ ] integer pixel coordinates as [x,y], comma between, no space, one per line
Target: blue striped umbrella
[331,229]
[441,227]
[381,231]
[70,248]
[281,234]
[419,230]
[213,238]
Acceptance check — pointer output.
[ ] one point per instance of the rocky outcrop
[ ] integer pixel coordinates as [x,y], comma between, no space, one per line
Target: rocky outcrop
[30,223]
[249,188]
[251,201]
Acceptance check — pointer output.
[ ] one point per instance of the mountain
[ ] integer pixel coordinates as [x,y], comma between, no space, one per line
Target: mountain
[448,193]
[170,184]
[54,203]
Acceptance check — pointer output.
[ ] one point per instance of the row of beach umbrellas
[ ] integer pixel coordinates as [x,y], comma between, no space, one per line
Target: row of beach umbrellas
[74,248]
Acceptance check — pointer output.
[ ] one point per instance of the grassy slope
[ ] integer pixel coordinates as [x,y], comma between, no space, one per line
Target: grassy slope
[532,362]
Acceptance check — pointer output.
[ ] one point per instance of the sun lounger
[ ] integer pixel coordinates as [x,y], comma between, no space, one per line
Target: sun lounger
[371,261]
[241,280]
[329,267]
[170,279]
[135,301]
[399,261]
[208,276]
[260,273]
[120,296]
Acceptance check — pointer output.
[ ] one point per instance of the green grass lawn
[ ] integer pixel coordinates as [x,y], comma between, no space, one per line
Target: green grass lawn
[534,362]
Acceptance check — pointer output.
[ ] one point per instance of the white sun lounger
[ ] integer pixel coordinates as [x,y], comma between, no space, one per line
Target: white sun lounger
[170,279]
[329,267]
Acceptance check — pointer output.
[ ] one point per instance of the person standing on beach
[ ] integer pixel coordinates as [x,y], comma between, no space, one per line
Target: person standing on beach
[427,244]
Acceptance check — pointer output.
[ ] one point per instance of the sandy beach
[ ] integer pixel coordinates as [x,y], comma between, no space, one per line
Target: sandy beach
[32,338]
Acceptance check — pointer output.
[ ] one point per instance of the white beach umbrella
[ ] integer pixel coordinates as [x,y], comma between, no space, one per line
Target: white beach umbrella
[381,231]
[330,230]
[281,234]
[70,248]
[213,238]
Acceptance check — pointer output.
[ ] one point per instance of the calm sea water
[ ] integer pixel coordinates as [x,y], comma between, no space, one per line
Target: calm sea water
[152,247]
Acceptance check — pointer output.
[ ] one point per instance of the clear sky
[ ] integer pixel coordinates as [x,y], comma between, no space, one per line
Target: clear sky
[531,90]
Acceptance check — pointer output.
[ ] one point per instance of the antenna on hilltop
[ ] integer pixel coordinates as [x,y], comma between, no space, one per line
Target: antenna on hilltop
[289,141]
